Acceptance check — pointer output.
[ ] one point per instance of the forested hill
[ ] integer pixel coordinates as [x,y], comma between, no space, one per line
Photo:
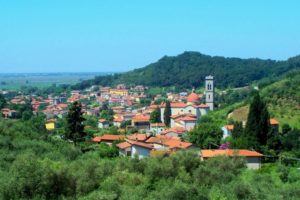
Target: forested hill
[190,68]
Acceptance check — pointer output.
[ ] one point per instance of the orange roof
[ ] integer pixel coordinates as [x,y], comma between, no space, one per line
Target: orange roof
[229,127]
[102,120]
[123,145]
[171,142]
[207,153]
[96,139]
[119,119]
[108,138]
[140,144]
[177,144]
[141,118]
[183,115]
[176,129]
[153,106]
[193,97]
[62,105]
[187,119]
[175,105]
[137,137]
[274,122]
[203,106]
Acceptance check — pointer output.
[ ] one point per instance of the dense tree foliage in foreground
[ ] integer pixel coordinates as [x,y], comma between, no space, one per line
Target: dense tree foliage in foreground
[190,68]
[36,165]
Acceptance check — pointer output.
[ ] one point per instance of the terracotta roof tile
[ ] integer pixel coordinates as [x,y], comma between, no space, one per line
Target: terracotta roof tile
[207,153]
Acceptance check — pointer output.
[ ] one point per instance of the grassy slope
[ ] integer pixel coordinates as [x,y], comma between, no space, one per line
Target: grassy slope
[283,98]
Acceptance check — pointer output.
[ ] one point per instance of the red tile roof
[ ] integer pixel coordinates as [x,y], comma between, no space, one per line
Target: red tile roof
[175,105]
[203,106]
[193,97]
[141,118]
[140,144]
[119,119]
[102,120]
[137,137]
[187,119]
[108,138]
[176,144]
[207,153]
[124,145]
[229,127]
[274,122]
[176,129]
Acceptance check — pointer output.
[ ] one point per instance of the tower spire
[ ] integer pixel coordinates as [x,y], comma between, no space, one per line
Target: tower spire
[209,91]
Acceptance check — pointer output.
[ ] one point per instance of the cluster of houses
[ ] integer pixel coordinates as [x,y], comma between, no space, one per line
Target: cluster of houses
[150,138]
[145,145]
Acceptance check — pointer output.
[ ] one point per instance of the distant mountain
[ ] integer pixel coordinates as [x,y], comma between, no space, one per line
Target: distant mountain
[190,68]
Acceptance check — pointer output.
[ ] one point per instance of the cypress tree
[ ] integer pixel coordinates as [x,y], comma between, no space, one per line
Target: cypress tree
[258,124]
[75,127]
[167,114]
[237,130]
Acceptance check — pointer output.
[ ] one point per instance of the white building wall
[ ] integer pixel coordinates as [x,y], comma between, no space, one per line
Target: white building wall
[253,162]
[189,125]
[139,151]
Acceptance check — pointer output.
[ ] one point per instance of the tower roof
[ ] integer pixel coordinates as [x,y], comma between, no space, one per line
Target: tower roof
[210,77]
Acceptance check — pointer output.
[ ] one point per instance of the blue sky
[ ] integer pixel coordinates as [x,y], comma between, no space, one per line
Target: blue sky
[111,35]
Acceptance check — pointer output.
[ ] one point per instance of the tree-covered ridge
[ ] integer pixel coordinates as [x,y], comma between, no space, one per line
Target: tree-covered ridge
[190,68]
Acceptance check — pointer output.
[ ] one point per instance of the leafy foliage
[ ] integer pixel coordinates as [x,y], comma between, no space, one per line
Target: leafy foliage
[155,116]
[206,134]
[36,165]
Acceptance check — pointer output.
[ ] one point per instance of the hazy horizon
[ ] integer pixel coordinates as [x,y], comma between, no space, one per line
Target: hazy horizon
[97,36]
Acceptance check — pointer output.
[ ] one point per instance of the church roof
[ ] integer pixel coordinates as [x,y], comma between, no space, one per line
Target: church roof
[193,97]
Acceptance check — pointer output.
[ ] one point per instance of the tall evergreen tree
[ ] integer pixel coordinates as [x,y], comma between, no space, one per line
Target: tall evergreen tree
[75,127]
[257,128]
[2,101]
[237,130]
[167,113]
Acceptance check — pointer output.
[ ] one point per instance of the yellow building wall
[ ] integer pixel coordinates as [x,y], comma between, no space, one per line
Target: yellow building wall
[50,125]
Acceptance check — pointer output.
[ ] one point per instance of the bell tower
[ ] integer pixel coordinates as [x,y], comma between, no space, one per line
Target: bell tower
[209,91]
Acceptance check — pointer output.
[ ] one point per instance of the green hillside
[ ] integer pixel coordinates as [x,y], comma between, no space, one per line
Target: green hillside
[190,68]
[283,98]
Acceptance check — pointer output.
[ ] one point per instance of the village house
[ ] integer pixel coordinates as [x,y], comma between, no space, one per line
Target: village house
[157,128]
[252,158]
[227,130]
[175,132]
[274,125]
[135,148]
[161,142]
[103,123]
[8,113]
[119,92]
[50,124]
[138,137]
[141,122]
[118,121]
